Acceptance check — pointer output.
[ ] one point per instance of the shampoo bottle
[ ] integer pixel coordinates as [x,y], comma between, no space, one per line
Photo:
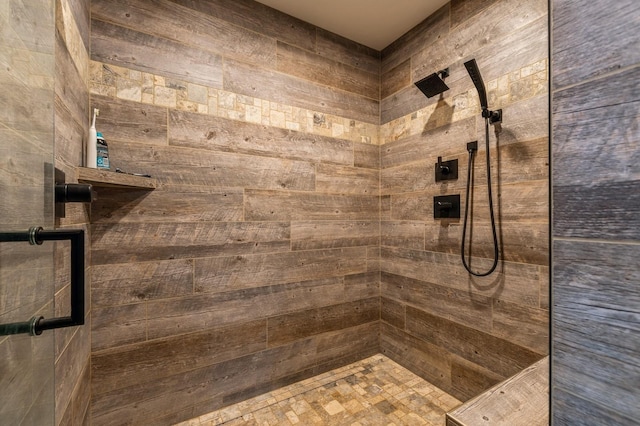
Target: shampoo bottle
[92,143]
[103,152]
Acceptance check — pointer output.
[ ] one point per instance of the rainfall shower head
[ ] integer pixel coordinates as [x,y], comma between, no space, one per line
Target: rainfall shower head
[434,84]
[474,73]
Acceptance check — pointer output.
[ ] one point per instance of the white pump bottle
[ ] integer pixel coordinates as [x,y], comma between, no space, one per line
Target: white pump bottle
[92,152]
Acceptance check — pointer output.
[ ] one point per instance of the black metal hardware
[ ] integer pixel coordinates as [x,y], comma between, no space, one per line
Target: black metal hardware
[36,236]
[446,207]
[74,193]
[446,170]
[472,147]
[70,193]
[493,116]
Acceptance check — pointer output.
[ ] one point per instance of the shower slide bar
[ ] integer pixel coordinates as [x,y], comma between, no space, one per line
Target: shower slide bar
[36,236]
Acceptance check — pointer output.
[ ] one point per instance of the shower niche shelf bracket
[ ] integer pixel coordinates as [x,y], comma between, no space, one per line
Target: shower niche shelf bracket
[108,179]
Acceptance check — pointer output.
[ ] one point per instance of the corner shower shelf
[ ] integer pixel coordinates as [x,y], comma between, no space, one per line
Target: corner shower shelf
[108,179]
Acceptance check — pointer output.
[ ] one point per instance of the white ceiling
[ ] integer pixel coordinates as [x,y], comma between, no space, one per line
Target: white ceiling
[374,23]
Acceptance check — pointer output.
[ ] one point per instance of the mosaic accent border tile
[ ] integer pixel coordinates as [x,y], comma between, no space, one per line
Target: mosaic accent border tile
[127,84]
[525,83]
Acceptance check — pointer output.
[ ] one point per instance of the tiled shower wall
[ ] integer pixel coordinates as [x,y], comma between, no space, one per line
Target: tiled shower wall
[72,345]
[26,272]
[465,334]
[254,264]
[596,220]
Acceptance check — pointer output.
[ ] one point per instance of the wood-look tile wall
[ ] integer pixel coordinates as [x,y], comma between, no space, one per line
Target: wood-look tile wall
[72,345]
[26,150]
[596,237]
[254,262]
[461,333]
[257,260]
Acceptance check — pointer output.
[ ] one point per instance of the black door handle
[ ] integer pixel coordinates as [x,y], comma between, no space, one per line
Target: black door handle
[36,235]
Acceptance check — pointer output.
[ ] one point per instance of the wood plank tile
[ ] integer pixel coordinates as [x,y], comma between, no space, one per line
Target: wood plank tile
[461,10]
[134,282]
[220,134]
[131,242]
[469,380]
[185,166]
[362,286]
[258,18]
[150,361]
[606,50]
[339,348]
[118,325]
[392,312]
[202,310]
[349,52]
[404,102]
[428,361]
[245,376]
[310,235]
[143,402]
[81,16]
[395,79]
[498,355]
[424,34]
[519,242]
[597,298]
[520,201]
[524,325]
[318,69]
[506,24]
[247,271]
[71,89]
[127,121]
[580,156]
[366,155]
[277,87]
[590,376]
[287,328]
[514,282]
[404,234]
[530,121]
[441,140]
[287,205]
[123,47]
[473,311]
[165,20]
[566,408]
[613,211]
[347,180]
[180,203]
[373,259]
[69,137]
[71,365]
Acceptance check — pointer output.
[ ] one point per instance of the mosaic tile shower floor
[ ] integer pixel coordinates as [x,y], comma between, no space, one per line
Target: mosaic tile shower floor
[375,391]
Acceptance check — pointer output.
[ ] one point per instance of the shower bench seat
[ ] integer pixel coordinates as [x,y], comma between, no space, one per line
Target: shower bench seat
[521,400]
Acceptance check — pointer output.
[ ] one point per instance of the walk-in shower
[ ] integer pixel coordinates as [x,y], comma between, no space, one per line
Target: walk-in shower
[433,85]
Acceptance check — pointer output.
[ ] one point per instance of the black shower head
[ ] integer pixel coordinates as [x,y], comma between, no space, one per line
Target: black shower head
[474,73]
[433,85]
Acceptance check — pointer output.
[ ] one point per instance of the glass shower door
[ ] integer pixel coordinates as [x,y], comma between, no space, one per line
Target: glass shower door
[27,43]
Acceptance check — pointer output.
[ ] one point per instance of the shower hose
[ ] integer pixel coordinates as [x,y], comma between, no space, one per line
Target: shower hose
[466,210]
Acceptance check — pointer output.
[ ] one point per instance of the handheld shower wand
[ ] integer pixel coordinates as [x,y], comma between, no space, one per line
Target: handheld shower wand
[474,73]
[490,117]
